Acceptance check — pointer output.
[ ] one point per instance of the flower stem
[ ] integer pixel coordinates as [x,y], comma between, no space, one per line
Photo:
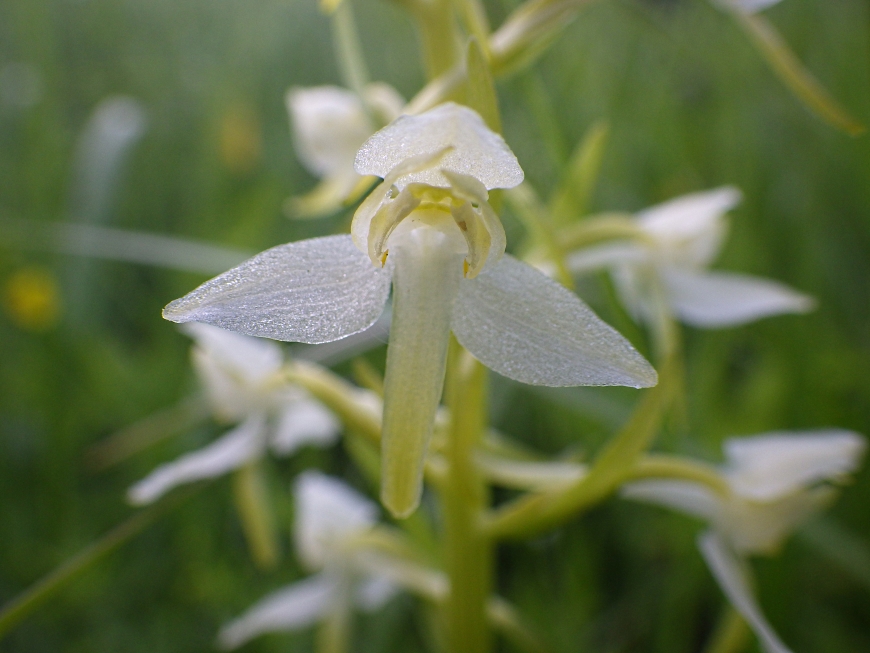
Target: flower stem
[468,551]
[252,503]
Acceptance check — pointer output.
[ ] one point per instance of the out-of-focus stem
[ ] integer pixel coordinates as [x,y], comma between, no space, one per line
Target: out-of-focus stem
[468,551]
[731,634]
[252,503]
[348,50]
[438,36]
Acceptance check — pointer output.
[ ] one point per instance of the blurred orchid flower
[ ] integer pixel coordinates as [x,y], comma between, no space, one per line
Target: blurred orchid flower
[775,482]
[329,126]
[242,380]
[666,264]
[331,525]
[445,263]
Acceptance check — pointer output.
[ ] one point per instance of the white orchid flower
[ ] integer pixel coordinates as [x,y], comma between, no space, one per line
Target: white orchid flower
[329,125]
[445,263]
[667,263]
[775,482]
[241,377]
[330,517]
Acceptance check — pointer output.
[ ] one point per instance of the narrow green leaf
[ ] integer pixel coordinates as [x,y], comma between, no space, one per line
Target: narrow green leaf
[571,199]
[480,90]
[33,597]
[794,75]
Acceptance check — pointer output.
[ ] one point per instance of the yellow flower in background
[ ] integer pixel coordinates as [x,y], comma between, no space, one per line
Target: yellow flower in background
[31,299]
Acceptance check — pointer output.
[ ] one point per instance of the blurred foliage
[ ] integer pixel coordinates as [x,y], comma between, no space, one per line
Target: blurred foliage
[690,105]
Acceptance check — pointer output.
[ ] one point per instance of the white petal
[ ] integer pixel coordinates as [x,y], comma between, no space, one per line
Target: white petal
[731,576]
[690,228]
[384,100]
[719,299]
[603,256]
[313,291]
[246,359]
[527,327]
[296,606]
[229,452]
[304,422]
[374,592]
[753,6]
[691,498]
[327,512]
[761,527]
[477,150]
[769,466]
[329,125]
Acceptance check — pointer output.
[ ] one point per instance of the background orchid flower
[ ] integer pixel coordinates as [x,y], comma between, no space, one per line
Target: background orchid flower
[430,214]
[329,126]
[667,264]
[242,380]
[774,481]
[331,518]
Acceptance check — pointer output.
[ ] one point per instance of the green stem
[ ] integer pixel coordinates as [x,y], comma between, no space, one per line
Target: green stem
[534,513]
[731,634]
[29,600]
[438,36]
[348,50]
[468,551]
[252,503]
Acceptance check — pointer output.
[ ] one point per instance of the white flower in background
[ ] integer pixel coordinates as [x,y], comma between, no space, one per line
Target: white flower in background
[445,263]
[242,380]
[667,263]
[330,518]
[329,125]
[749,6]
[775,482]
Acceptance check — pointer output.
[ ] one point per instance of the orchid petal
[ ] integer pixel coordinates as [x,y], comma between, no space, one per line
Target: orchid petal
[527,327]
[731,576]
[426,281]
[477,150]
[226,454]
[691,226]
[250,360]
[297,606]
[327,512]
[362,219]
[720,299]
[329,125]
[608,255]
[761,527]
[772,465]
[374,592]
[690,498]
[304,421]
[312,291]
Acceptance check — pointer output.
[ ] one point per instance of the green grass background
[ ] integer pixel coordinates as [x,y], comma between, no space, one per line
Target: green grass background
[690,105]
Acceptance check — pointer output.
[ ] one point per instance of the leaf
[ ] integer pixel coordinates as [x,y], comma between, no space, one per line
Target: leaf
[794,75]
[480,90]
[571,199]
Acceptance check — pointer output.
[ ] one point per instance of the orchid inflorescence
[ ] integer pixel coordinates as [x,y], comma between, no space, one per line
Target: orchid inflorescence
[427,234]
